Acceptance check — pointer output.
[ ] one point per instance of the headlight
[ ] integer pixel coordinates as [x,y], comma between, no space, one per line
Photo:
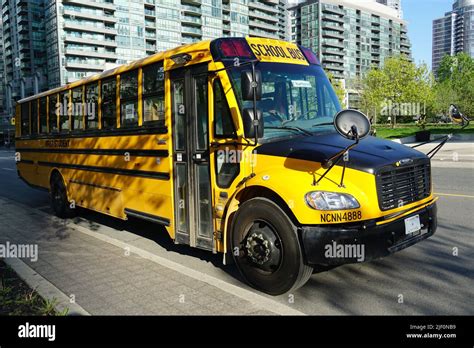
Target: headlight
[321,200]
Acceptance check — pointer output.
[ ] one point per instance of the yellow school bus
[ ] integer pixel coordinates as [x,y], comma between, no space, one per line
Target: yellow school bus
[238,146]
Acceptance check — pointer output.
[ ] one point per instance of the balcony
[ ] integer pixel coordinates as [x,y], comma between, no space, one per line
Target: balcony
[331,26]
[331,9]
[93,3]
[333,59]
[333,18]
[191,31]
[89,53]
[268,8]
[86,66]
[98,42]
[193,10]
[191,20]
[79,14]
[90,28]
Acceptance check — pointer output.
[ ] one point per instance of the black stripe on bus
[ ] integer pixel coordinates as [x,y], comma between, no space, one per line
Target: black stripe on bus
[108,170]
[94,185]
[110,152]
[149,217]
[98,133]
[27,161]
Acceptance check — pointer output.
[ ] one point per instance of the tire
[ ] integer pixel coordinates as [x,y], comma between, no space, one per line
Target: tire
[59,200]
[269,255]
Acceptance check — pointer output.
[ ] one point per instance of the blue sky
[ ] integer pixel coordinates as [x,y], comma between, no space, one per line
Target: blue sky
[420,15]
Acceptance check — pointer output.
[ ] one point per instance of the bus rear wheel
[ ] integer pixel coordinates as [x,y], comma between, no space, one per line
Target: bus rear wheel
[266,249]
[59,201]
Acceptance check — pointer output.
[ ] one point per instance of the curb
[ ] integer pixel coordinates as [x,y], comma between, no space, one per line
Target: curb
[44,288]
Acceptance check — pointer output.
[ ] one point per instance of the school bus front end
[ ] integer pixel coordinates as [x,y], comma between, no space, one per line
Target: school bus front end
[292,209]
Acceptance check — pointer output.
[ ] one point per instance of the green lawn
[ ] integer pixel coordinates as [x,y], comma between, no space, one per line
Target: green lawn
[401,131]
[16,298]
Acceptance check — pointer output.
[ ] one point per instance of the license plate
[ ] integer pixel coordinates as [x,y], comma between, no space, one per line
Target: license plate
[412,224]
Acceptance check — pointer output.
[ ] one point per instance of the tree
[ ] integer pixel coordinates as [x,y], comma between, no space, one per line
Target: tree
[398,83]
[455,84]
[338,88]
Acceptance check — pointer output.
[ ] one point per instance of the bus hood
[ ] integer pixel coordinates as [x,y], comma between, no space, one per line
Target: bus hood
[369,155]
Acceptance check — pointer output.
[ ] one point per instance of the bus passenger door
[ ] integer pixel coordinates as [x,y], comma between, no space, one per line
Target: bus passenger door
[192,185]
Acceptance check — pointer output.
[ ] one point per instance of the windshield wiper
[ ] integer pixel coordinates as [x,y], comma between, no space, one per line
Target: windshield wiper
[293,128]
[323,124]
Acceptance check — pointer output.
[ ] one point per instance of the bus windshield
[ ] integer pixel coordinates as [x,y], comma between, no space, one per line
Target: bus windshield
[295,99]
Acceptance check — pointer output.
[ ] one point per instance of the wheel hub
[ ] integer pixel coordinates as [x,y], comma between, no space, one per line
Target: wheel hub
[262,247]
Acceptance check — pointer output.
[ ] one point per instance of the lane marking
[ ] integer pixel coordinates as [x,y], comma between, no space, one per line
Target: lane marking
[9,169]
[453,195]
[44,288]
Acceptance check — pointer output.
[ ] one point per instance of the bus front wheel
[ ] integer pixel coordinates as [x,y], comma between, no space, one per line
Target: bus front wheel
[266,249]
[59,201]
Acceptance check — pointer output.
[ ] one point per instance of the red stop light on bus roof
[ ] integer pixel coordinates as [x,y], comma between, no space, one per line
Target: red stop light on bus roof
[235,48]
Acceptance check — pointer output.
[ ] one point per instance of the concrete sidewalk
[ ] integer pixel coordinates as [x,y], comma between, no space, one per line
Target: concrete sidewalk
[107,279]
[454,154]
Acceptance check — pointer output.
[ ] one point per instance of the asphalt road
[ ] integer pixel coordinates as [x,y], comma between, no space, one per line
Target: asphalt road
[428,278]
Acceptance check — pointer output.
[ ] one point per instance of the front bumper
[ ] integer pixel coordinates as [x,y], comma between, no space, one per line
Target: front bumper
[341,244]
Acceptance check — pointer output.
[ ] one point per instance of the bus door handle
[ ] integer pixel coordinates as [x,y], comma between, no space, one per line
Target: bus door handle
[199,158]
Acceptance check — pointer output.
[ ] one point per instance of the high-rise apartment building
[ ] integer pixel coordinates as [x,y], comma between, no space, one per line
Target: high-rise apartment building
[85,36]
[349,36]
[395,4]
[454,32]
[24,47]
[2,76]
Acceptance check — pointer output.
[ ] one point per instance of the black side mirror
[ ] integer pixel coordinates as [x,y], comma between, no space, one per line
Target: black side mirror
[352,124]
[455,114]
[248,85]
[250,120]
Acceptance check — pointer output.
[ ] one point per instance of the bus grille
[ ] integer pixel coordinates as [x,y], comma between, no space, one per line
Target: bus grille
[399,186]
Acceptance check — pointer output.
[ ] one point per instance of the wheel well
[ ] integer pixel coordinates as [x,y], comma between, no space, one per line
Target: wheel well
[53,174]
[264,192]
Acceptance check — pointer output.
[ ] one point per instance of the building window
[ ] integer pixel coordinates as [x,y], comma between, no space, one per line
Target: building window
[154,95]
[43,116]
[109,104]
[129,99]
[92,106]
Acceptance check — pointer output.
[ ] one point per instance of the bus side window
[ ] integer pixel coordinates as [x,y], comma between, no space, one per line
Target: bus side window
[25,119]
[43,117]
[92,106]
[226,168]
[77,109]
[109,102]
[34,117]
[223,125]
[53,113]
[64,112]
[153,94]
[129,99]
